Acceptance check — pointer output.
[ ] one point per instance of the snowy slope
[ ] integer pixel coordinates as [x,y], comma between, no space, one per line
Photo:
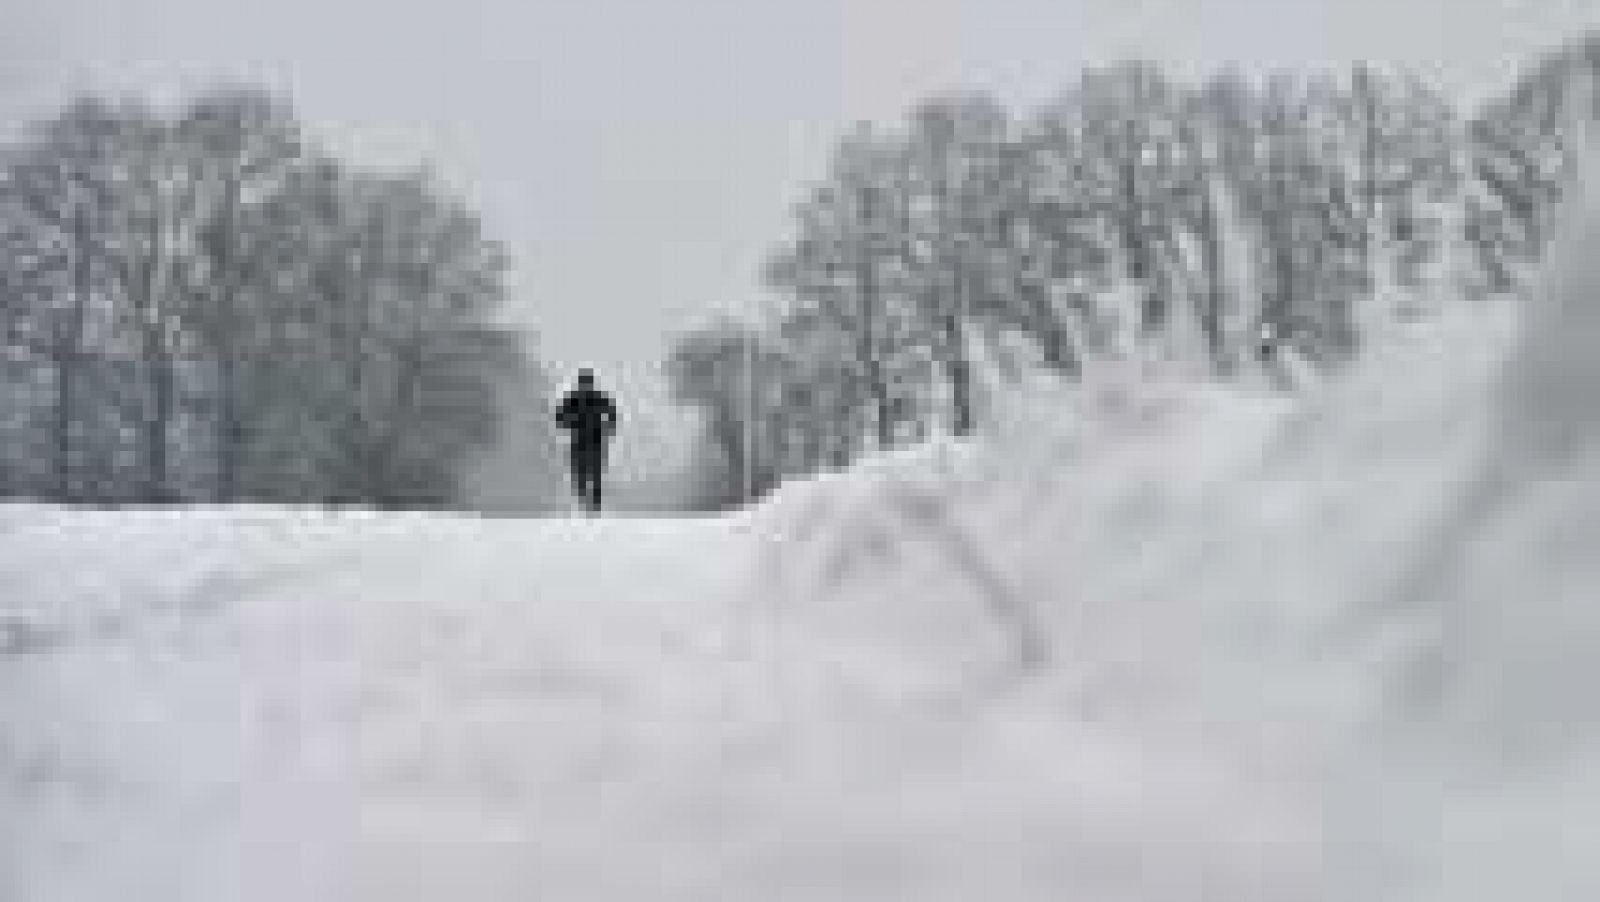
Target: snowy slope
[413,708]
[1349,643]
[1183,644]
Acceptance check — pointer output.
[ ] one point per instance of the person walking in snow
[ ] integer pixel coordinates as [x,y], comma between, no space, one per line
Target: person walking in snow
[590,418]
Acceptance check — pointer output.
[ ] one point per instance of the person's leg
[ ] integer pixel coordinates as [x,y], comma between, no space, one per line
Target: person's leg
[592,469]
[583,474]
[580,475]
[598,474]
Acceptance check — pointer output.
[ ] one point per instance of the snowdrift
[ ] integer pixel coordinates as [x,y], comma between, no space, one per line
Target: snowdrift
[1337,648]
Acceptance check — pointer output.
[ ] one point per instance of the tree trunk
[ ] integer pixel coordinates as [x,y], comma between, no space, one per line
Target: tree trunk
[1135,246]
[729,433]
[841,445]
[959,371]
[67,358]
[1049,332]
[65,361]
[230,430]
[1216,291]
[1053,337]
[408,380]
[157,428]
[229,425]
[882,403]
[1056,349]
[1281,301]
[811,448]
[1369,185]
[868,351]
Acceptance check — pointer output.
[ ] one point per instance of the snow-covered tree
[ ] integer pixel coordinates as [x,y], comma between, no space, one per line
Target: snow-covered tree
[1519,158]
[845,269]
[204,307]
[731,373]
[65,192]
[956,147]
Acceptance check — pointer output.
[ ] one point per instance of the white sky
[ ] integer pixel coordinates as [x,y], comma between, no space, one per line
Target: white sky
[639,155]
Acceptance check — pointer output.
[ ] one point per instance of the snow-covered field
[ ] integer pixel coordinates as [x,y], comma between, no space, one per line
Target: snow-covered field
[1181,645]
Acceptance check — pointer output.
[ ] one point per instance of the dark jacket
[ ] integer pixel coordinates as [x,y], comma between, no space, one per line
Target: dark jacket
[588,414]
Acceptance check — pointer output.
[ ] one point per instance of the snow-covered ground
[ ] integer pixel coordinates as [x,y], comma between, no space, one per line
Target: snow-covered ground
[1181,644]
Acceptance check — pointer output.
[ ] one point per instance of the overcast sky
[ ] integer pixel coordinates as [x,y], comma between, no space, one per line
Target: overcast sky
[639,156]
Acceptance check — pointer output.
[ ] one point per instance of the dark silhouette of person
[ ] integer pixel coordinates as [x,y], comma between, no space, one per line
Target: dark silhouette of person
[590,418]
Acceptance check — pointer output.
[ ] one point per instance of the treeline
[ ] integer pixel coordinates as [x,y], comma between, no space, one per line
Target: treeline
[1228,224]
[203,305]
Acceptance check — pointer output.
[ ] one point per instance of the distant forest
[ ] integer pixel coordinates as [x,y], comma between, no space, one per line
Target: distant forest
[1228,226]
[204,307]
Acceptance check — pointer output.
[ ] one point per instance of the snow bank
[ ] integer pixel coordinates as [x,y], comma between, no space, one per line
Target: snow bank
[1308,630]
[1503,593]
[258,704]
[1164,588]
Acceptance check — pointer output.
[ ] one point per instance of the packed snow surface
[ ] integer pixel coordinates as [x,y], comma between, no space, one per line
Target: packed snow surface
[1160,643]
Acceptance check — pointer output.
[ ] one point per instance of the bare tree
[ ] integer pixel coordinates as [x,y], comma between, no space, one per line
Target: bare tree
[841,265]
[224,313]
[241,145]
[727,371]
[62,185]
[956,146]
[1519,157]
